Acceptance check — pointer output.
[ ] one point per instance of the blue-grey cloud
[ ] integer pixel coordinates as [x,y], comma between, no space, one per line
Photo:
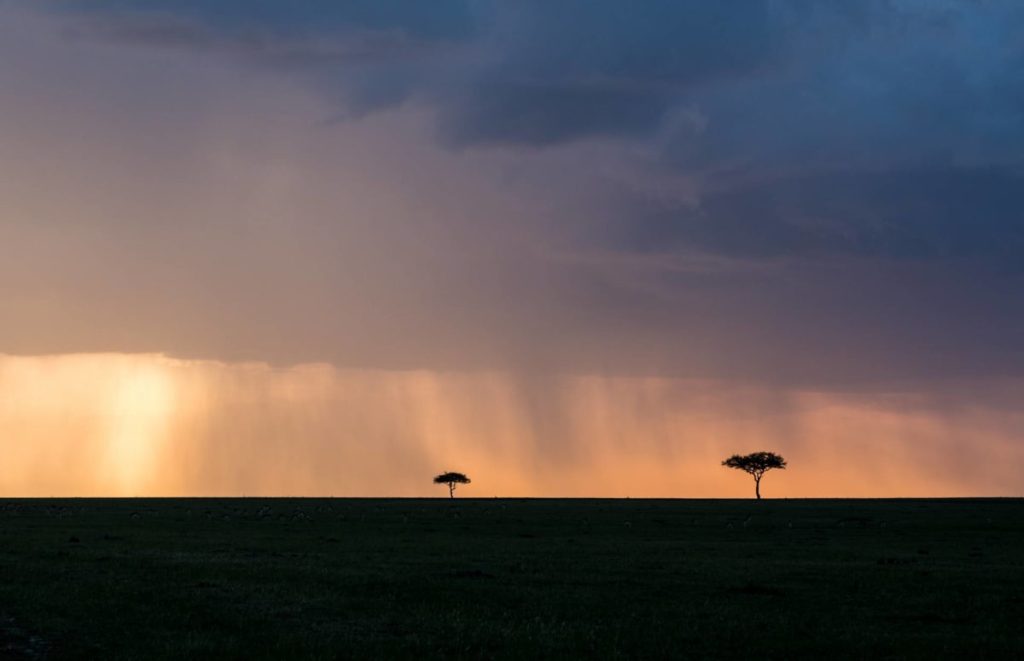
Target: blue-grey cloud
[823,150]
[570,70]
[770,75]
[943,213]
[532,73]
[544,114]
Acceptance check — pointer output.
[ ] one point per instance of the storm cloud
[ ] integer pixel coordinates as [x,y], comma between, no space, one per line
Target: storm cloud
[544,183]
[779,195]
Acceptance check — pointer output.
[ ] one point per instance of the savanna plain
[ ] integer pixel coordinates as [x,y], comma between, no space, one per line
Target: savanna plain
[508,578]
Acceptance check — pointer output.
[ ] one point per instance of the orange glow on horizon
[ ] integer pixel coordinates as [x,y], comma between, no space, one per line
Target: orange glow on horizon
[149,425]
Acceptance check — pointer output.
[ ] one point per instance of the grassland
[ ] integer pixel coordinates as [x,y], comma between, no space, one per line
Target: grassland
[300,578]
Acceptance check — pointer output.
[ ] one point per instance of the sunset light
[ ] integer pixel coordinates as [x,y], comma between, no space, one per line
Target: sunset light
[149,425]
[511,329]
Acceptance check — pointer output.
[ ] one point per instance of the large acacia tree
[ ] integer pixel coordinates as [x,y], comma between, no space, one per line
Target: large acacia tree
[757,464]
[451,479]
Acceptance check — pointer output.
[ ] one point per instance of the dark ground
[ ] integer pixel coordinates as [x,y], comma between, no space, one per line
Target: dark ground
[258,578]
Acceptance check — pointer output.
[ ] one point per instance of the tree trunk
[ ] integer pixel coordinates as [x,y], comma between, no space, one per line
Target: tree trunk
[451,490]
[757,487]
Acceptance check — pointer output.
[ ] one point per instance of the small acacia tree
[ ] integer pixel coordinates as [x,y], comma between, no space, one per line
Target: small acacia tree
[757,464]
[451,479]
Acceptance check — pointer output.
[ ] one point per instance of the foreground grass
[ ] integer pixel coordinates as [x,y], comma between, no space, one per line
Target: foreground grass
[325,579]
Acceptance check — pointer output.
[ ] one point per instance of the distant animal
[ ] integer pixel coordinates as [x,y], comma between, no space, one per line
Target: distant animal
[451,479]
[757,464]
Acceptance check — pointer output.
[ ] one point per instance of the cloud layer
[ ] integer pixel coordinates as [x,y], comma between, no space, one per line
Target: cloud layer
[770,189]
[598,244]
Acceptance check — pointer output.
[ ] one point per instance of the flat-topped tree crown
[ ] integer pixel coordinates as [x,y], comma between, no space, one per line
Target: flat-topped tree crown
[757,464]
[451,478]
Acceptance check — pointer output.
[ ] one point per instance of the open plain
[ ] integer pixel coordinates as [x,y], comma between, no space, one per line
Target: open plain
[497,578]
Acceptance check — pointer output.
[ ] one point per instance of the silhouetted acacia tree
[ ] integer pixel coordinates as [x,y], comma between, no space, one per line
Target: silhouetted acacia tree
[451,479]
[757,464]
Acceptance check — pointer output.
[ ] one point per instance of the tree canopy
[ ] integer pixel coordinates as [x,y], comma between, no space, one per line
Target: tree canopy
[757,464]
[451,478]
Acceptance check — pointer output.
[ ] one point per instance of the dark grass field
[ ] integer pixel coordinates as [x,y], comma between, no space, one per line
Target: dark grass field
[288,578]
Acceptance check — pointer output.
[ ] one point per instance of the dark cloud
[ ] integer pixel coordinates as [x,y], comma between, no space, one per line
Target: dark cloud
[544,114]
[668,42]
[944,213]
[570,70]
[728,188]
[771,75]
[530,73]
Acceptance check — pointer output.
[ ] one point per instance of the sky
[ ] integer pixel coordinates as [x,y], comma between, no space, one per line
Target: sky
[574,248]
